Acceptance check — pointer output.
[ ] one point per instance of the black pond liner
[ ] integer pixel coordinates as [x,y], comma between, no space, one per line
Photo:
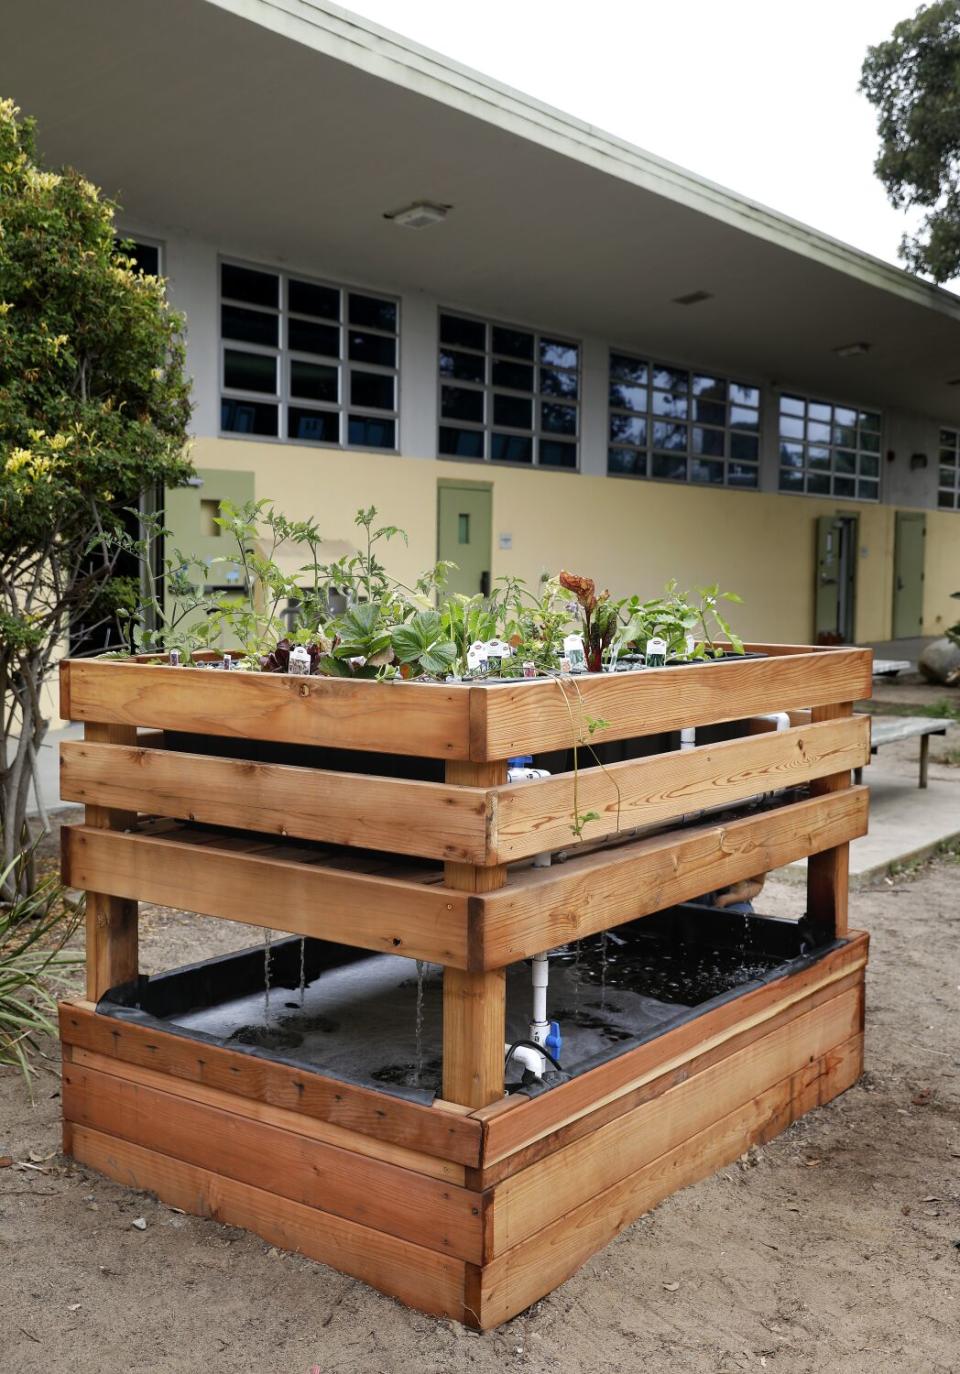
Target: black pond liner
[357,1024]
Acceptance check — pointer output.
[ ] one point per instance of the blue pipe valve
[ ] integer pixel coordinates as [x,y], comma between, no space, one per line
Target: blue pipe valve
[554,1041]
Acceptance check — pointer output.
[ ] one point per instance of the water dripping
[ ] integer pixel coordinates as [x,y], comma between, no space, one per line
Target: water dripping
[420,967]
[303,969]
[267,937]
[603,969]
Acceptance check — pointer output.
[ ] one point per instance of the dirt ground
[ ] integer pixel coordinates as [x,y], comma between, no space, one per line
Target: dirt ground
[833,1248]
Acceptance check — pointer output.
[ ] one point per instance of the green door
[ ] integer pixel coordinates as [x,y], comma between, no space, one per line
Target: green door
[836,573]
[190,513]
[464,525]
[908,574]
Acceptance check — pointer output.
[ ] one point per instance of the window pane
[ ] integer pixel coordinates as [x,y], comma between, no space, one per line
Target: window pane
[742,475]
[516,412]
[707,441]
[626,369]
[844,434]
[558,419]
[249,371]
[511,448]
[710,412]
[626,460]
[371,389]
[791,480]
[556,454]
[249,326]
[146,257]
[791,428]
[746,395]
[747,447]
[844,486]
[307,298]
[515,343]
[791,455]
[243,284]
[948,456]
[517,376]
[791,405]
[373,348]
[558,383]
[248,417]
[314,381]
[818,458]
[629,397]
[948,477]
[818,483]
[665,465]
[710,388]
[818,433]
[843,415]
[313,426]
[666,403]
[868,491]
[868,420]
[668,378]
[458,403]
[949,437]
[820,411]
[671,437]
[946,500]
[559,354]
[870,442]
[303,336]
[706,470]
[744,417]
[844,462]
[454,329]
[467,367]
[461,443]
[373,312]
[369,431]
[628,429]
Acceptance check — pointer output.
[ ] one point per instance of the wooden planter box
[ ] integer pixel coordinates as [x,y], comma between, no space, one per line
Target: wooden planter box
[479,1204]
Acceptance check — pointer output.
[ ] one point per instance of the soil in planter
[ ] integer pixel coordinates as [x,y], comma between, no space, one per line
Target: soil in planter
[369,1019]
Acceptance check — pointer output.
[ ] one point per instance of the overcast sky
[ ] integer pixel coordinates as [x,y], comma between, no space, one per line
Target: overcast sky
[759,95]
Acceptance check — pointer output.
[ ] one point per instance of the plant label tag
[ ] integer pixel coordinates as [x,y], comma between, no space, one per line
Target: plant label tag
[529,669]
[656,654]
[299,663]
[574,651]
[477,657]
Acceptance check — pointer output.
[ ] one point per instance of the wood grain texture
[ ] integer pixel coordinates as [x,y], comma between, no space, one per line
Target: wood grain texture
[474,1003]
[828,873]
[112,921]
[535,816]
[420,1277]
[283,1117]
[217,878]
[552,1187]
[381,1116]
[426,1211]
[394,717]
[541,908]
[516,1124]
[539,1264]
[426,819]
[532,717]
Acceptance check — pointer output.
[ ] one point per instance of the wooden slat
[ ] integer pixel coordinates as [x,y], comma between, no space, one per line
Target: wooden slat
[283,1117]
[533,717]
[544,907]
[426,1211]
[418,1276]
[444,1134]
[828,873]
[429,721]
[552,1187]
[404,817]
[521,1121]
[535,816]
[657,1083]
[515,1280]
[112,920]
[383,914]
[474,1003]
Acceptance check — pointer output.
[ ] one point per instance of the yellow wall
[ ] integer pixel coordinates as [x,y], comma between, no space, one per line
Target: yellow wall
[628,535]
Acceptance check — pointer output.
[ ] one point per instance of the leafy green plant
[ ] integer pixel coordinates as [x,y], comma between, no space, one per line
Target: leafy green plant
[421,645]
[34,967]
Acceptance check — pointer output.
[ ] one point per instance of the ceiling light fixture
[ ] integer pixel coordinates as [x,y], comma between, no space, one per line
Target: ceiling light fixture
[419,215]
[693,298]
[852,350]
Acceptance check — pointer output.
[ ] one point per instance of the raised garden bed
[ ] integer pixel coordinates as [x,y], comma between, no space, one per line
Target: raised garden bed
[215,792]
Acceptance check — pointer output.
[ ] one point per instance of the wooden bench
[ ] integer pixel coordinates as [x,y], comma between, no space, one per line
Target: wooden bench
[889,729]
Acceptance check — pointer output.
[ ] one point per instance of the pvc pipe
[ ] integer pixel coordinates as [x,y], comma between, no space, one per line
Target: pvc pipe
[539,1025]
[530,1059]
[688,737]
[781,718]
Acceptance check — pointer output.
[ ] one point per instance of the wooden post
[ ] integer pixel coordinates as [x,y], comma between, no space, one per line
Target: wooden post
[474,1004]
[924,759]
[828,873]
[112,955]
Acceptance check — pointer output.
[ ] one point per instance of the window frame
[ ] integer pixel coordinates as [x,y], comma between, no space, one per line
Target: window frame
[488,389]
[285,356]
[652,363]
[832,447]
[148,242]
[942,447]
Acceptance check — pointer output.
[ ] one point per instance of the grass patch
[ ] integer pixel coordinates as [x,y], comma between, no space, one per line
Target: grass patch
[943,708]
